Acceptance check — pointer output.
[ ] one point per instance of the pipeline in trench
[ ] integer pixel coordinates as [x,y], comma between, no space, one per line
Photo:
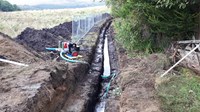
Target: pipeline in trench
[107,75]
[100,106]
[93,94]
[102,51]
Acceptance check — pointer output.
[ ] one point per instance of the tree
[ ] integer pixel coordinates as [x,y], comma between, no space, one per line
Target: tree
[6,6]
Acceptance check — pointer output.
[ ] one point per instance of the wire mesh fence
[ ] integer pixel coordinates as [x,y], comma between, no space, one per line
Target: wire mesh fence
[82,25]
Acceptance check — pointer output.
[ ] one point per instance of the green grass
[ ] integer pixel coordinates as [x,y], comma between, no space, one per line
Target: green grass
[180,93]
[13,23]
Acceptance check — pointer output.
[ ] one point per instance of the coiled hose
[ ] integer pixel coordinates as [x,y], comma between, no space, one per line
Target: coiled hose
[71,61]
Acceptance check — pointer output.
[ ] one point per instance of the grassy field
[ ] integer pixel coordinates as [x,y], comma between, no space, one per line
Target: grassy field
[12,23]
[180,93]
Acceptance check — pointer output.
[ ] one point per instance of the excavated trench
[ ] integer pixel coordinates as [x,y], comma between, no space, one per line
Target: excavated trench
[98,104]
[90,94]
[110,70]
[63,87]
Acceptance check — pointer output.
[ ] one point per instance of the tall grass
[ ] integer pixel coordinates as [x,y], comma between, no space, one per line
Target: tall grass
[12,23]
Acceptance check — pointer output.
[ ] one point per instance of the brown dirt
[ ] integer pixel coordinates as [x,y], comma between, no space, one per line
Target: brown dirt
[41,85]
[64,30]
[38,86]
[134,88]
[45,85]
[37,40]
[16,52]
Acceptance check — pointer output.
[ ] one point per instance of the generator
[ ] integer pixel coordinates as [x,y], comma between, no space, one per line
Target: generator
[71,49]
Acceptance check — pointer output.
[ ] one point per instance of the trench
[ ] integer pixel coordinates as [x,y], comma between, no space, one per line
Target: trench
[71,88]
[88,94]
[100,106]
[108,72]
[107,65]
[98,102]
[91,93]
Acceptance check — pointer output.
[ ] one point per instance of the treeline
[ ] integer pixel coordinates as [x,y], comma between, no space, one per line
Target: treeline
[5,6]
[151,25]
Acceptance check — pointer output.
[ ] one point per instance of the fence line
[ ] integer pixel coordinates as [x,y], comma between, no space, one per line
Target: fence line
[82,25]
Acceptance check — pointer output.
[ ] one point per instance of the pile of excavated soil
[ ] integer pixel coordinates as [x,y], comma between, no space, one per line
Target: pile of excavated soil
[13,51]
[64,30]
[37,40]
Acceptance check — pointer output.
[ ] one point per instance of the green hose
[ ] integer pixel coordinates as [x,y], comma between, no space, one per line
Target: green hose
[107,89]
[108,86]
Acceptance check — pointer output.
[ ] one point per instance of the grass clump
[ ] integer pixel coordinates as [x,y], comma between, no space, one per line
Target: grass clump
[180,93]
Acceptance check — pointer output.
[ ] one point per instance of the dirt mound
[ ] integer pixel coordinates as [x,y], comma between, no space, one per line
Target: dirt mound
[37,39]
[13,51]
[64,30]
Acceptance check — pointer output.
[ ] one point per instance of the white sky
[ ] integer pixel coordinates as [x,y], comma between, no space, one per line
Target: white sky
[35,2]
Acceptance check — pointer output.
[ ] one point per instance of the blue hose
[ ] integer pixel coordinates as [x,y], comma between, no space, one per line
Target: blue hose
[52,49]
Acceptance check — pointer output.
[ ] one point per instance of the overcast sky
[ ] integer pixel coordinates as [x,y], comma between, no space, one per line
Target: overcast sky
[35,2]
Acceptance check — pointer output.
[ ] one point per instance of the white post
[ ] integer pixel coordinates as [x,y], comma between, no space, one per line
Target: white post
[12,62]
[180,60]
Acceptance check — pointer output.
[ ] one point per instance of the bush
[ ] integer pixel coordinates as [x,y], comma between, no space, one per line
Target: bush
[151,24]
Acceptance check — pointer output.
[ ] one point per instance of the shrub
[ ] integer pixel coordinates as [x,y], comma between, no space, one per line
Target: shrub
[150,24]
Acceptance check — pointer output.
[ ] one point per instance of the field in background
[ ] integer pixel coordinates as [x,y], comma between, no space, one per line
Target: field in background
[13,23]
